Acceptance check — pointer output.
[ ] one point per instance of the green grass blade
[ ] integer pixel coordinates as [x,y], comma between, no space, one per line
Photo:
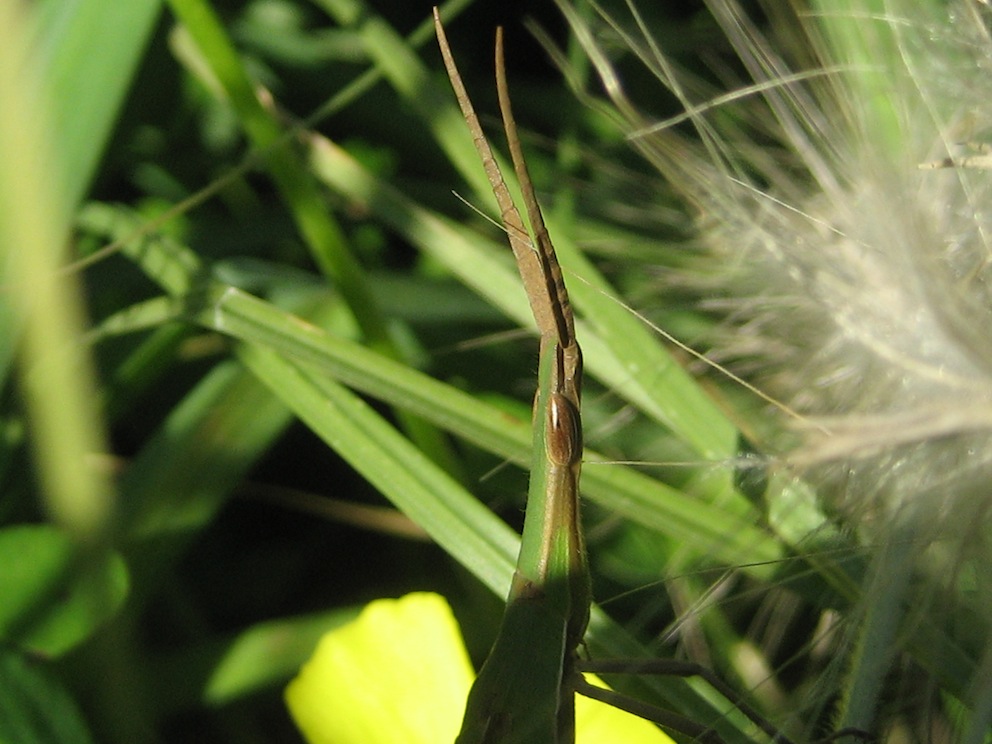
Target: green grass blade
[619,351]
[35,707]
[647,375]
[465,529]
[299,191]
[40,307]
[624,490]
[185,473]
[454,518]
[222,670]
[89,52]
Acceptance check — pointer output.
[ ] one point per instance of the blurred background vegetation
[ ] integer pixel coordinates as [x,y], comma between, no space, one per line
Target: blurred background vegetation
[168,587]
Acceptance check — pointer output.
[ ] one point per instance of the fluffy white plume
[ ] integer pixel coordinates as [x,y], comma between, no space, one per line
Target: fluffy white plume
[845,232]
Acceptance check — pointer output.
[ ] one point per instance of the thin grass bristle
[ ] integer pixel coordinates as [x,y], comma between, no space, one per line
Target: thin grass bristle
[842,228]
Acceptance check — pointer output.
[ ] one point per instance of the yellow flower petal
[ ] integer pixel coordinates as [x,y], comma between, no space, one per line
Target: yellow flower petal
[398,673]
[599,723]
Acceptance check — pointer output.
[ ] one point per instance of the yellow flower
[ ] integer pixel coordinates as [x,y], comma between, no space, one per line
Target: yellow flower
[400,673]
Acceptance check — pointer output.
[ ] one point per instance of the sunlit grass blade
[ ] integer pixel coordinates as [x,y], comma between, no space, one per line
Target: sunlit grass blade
[641,498]
[468,531]
[308,361]
[316,224]
[223,669]
[832,263]
[88,54]
[624,490]
[646,374]
[40,309]
[614,362]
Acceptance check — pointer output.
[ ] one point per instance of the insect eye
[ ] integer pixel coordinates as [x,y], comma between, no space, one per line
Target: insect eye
[564,438]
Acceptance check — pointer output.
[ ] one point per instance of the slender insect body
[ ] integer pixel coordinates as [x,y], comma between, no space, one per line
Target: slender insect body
[551,595]
[524,693]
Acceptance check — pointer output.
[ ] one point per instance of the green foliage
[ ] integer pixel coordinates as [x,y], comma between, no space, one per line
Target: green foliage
[36,709]
[268,370]
[53,597]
